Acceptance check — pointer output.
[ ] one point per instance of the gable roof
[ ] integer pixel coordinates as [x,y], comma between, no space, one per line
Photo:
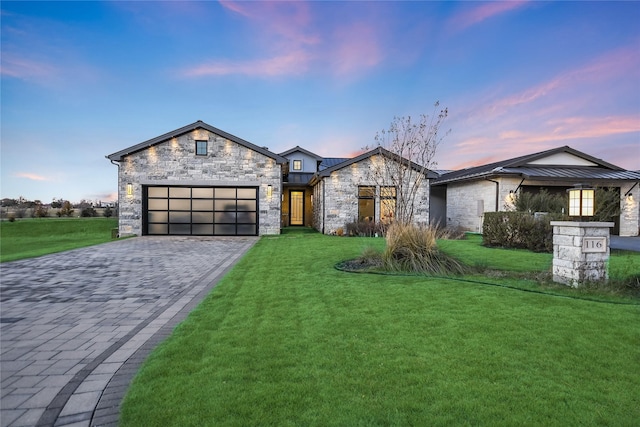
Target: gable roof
[302,150]
[376,151]
[533,166]
[118,156]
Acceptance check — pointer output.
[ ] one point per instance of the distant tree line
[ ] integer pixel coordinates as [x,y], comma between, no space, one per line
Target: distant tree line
[23,208]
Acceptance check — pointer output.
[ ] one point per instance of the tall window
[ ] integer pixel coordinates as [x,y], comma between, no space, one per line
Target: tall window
[297,165]
[366,203]
[201,148]
[387,203]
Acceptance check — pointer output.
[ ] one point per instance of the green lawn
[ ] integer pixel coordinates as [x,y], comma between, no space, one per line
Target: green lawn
[27,238]
[286,339]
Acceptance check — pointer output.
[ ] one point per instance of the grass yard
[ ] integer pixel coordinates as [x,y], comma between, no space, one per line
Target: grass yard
[286,339]
[27,238]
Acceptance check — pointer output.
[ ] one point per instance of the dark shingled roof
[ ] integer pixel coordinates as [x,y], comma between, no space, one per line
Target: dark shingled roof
[118,156]
[522,166]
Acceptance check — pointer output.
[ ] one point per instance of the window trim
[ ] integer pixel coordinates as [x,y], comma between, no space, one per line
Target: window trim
[294,165]
[206,147]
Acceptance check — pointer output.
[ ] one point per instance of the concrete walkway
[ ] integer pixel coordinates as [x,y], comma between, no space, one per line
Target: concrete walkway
[75,326]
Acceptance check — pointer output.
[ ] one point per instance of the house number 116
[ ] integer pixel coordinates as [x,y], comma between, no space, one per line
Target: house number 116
[594,244]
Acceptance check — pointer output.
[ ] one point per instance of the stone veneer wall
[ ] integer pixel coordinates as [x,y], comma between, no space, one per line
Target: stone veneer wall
[174,162]
[462,201]
[341,197]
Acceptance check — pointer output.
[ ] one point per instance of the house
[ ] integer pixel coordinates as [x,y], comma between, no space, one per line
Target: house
[200,180]
[460,198]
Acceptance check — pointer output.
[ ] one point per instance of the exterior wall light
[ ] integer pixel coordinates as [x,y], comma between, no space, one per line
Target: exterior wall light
[129,189]
[581,201]
[269,190]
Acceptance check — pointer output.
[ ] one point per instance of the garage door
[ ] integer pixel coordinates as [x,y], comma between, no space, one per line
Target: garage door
[201,211]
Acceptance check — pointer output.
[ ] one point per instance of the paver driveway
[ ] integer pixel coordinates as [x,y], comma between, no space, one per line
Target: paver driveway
[76,325]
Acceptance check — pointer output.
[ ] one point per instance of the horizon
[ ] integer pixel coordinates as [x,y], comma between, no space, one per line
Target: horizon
[82,80]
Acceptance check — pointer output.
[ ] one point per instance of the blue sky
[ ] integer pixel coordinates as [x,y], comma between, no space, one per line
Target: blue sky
[81,80]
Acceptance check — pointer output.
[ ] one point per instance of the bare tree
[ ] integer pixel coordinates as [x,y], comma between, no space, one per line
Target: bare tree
[407,151]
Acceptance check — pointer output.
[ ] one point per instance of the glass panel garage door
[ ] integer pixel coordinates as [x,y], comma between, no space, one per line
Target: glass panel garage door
[201,211]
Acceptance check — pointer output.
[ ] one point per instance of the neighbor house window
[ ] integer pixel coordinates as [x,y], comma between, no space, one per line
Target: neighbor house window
[366,203]
[201,148]
[387,203]
[297,165]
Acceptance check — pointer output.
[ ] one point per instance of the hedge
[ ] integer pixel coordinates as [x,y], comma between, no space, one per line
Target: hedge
[519,230]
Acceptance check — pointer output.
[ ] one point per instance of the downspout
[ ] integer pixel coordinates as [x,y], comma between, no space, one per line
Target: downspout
[324,207]
[497,192]
[115,162]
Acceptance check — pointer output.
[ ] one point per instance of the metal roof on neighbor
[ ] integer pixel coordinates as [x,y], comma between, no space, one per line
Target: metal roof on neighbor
[118,156]
[520,166]
[299,178]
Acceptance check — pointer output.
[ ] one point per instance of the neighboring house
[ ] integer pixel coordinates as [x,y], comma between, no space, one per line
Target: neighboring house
[460,198]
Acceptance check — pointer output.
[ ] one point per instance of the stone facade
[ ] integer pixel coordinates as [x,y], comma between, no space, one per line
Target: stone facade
[174,162]
[574,265]
[468,201]
[336,197]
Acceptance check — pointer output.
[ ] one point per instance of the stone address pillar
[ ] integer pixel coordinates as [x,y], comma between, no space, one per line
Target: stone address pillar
[580,252]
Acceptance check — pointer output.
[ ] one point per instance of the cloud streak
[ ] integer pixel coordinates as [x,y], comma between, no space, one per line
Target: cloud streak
[480,12]
[286,32]
[31,176]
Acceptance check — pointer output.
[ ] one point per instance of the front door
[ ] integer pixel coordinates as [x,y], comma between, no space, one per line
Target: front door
[297,207]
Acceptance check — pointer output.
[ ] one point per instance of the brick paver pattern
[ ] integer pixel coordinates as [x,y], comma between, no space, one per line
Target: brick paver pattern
[69,321]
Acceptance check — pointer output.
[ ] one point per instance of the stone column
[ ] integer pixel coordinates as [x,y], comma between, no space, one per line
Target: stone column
[580,252]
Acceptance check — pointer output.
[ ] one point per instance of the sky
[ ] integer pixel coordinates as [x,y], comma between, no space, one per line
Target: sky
[82,80]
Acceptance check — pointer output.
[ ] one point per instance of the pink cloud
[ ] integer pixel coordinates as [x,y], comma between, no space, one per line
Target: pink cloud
[288,64]
[31,176]
[481,12]
[356,47]
[286,32]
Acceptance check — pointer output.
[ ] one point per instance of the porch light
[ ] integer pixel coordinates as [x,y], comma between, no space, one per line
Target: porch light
[129,189]
[581,201]
[269,190]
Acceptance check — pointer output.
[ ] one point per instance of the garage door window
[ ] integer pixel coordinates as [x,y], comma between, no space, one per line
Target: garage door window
[201,211]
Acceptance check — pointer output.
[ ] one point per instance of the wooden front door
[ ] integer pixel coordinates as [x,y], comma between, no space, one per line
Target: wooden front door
[296,199]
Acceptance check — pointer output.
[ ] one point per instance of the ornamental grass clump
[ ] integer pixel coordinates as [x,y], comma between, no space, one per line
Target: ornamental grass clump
[413,248]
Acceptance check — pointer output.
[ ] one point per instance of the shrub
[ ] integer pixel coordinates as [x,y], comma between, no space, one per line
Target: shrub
[519,230]
[41,211]
[108,212]
[88,212]
[541,201]
[366,229]
[66,209]
[413,248]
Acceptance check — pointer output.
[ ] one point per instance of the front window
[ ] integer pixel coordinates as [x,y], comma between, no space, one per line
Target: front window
[387,203]
[201,148]
[297,165]
[366,203]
